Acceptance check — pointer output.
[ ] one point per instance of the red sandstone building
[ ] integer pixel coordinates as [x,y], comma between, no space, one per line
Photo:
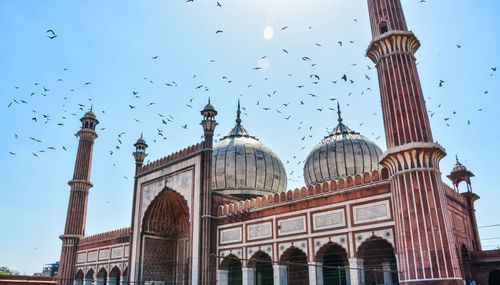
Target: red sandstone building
[221,214]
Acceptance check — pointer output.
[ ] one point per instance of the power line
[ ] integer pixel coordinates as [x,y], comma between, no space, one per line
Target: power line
[489,226]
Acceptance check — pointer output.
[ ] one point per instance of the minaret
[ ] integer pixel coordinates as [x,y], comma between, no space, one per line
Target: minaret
[207,261]
[458,174]
[425,246]
[140,152]
[77,208]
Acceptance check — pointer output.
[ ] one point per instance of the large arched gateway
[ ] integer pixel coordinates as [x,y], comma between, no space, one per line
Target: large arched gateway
[165,239]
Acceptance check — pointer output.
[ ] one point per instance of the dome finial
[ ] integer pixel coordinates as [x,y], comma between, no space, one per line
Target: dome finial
[339,112]
[91,106]
[238,112]
[456,157]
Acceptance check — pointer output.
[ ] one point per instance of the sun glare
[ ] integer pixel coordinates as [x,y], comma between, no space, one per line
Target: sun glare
[268,33]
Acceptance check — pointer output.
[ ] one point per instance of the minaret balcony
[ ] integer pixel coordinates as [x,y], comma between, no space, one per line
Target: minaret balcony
[392,42]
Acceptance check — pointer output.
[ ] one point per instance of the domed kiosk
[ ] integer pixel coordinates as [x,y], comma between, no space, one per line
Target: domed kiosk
[244,167]
[342,153]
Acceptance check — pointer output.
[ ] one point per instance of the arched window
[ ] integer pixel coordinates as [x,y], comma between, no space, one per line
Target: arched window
[232,265]
[263,265]
[383,27]
[379,261]
[494,277]
[334,260]
[78,278]
[297,267]
[114,276]
[86,125]
[89,277]
[102,277]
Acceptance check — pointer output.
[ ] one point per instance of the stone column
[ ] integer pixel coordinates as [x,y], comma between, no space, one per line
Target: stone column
[280,274]
[312,273]
[386,267]
[222,277]
[248,276]
[319,273]
[356,271]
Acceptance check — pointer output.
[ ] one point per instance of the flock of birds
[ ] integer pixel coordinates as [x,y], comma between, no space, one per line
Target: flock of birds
[72,111]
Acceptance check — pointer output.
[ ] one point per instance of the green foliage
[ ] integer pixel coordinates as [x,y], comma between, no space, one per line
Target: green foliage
[4,270]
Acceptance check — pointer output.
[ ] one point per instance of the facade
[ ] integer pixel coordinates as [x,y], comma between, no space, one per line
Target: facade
[221,214]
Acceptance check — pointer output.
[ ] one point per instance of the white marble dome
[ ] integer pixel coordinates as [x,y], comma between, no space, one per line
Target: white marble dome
[244,167]
[342,153]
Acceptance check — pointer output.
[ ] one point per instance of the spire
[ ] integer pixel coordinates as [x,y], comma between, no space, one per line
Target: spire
[91,106]
[339,112]
[456,157]
[238,112]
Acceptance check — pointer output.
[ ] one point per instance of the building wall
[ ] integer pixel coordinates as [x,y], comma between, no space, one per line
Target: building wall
[346,217]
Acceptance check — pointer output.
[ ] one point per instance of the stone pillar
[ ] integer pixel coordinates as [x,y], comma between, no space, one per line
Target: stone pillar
[356,271]
[248,276]
[280,274]
[222,277]
[312,273]
[319,273]
[386,267]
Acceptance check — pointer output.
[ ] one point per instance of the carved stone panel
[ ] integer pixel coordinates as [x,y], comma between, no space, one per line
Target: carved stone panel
[231,235]
[292,225]
[259,231]
[371,212]
[328,220]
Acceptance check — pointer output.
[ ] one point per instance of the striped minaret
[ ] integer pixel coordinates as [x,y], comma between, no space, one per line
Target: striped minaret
[425,246]
[77,208]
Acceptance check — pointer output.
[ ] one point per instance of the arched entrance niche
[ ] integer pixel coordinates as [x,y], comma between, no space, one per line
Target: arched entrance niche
[78,278]
[262,263]
[379,262]
[494,277]
[297,268]
[165,238]
[102,277]
[114,276]
[230,268]
[333,259]
[89,277]
[466,266]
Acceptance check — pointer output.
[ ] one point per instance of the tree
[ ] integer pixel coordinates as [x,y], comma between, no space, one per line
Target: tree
[4,270]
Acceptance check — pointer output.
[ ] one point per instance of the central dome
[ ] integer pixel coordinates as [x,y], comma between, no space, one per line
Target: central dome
[342,153]
[244,167]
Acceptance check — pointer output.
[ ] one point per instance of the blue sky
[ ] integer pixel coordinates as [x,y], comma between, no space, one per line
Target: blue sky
[111,45]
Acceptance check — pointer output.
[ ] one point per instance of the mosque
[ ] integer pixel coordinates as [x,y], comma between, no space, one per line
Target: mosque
[222,214]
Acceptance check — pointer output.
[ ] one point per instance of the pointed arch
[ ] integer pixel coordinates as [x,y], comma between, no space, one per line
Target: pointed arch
[378,261]
[262,263]
[90,274]
[167,214]
[114,276]
[333,258]
[232,265]
[297,267]
[79,277]
[102,277]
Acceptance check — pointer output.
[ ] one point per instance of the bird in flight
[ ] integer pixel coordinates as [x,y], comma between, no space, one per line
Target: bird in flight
[218,31]
[51,35]
[219,5]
